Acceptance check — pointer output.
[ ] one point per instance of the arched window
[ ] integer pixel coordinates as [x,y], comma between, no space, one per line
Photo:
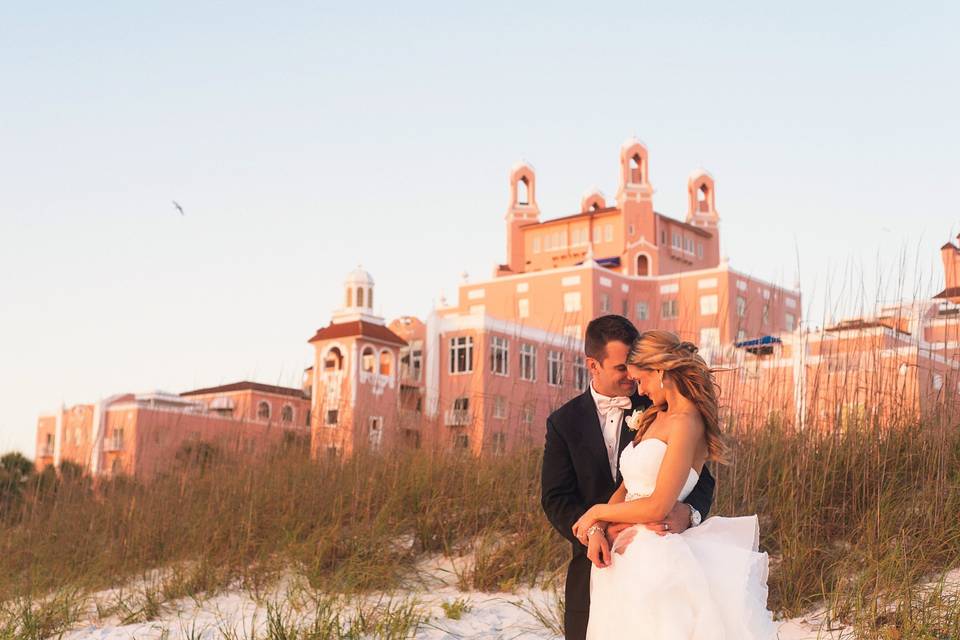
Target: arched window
[523,191]
[359,296]
[368,360]
[333,360]
[370,297]
[386,363]
[595,206]
[349,296]
[703,202]
[643,265]
[286,415]
[636,169]
[263,410]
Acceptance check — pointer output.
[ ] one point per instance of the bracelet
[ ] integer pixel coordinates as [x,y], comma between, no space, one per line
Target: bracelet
[596,528]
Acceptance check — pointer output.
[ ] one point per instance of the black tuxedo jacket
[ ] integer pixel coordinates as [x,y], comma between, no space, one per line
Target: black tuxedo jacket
[576,470]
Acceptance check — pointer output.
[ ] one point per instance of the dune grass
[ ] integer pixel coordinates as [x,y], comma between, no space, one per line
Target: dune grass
[853,520]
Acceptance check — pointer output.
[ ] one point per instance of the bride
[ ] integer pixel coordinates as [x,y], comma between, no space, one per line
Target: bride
[707,583]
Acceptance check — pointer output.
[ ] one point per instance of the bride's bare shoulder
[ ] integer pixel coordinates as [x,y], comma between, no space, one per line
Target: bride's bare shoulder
[685,425]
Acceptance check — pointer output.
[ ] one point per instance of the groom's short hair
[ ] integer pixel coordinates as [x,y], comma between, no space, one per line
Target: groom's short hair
[606,329]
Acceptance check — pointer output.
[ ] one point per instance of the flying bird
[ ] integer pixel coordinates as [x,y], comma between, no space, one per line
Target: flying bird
[179,208]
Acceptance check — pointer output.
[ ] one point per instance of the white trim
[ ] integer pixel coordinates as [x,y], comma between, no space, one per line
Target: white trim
[523,287]
[624,288]
[570,281]
[507,328]
[707,283]
[673,287]
[605,282]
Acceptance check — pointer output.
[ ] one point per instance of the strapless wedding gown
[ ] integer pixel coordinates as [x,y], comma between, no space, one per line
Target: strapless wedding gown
[707,583]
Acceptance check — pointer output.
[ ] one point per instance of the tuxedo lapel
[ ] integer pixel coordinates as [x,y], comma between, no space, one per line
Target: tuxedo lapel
[626,434]
[591,433]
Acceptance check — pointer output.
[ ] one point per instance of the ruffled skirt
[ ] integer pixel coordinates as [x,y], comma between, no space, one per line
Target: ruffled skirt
[707,583]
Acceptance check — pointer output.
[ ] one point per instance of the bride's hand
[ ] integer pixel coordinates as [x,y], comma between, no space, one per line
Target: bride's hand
[586,521]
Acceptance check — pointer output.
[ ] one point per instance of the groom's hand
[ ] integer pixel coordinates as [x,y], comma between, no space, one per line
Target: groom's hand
[598,550]
[677,521]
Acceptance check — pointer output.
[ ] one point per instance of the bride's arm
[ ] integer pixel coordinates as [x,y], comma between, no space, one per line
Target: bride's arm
[685,436]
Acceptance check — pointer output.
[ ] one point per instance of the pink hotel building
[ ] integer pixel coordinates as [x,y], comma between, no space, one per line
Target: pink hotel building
[483,374]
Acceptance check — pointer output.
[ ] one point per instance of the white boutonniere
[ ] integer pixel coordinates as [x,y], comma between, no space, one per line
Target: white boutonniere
[633,420]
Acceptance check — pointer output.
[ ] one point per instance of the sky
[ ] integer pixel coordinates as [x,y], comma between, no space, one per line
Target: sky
[303,139]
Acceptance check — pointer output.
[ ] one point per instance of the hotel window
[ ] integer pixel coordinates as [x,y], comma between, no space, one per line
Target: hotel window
[699,249]
[461,404]
[376,432]
[528,362]
[765,317]
[605,302]
[789,321]
[741,334]
[523,308]
[461,441]
[608,232]
[499,407]
[741,306]
[286,414]
[331,417]
[571,301]
[386,363]
[563,239]
[461,354]
[630,230]
[416,363]
[708,305]
[688,245]
[555,368]
[581,377]
[499,442]
[547,242]
[597,235]
[263,410]
[668,309]
[499,355]
[536,245]
[676,240]
[333,360]
[527,412]
[368,360]
[663,237]
[643,312]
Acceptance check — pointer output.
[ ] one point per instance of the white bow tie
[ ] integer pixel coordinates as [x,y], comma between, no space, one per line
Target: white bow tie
[606,405]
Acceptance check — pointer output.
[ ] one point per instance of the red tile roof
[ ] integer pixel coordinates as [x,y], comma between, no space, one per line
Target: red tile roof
[358,328]
[248,386]
[951,292]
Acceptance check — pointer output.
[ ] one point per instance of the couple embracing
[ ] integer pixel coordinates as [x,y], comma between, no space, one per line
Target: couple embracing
[625,480]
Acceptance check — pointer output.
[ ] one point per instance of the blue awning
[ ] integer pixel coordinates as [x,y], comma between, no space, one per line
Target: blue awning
[760,342]
[606,262]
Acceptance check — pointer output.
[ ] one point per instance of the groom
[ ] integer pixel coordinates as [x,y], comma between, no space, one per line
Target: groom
[581,458]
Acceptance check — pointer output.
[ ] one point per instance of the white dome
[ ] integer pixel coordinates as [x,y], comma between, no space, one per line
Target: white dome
[359,276]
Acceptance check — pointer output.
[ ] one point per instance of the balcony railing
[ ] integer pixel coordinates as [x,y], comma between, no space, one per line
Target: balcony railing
[456,418]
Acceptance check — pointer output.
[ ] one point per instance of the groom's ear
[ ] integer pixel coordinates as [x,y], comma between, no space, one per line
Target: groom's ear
[593,365]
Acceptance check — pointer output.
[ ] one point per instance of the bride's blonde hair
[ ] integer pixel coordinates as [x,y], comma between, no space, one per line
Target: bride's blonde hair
[679,361]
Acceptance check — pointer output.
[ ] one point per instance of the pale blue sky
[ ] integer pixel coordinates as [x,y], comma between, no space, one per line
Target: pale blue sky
[302,140]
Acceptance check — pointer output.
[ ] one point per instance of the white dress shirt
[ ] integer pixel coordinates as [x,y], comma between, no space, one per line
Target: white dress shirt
[610,425]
